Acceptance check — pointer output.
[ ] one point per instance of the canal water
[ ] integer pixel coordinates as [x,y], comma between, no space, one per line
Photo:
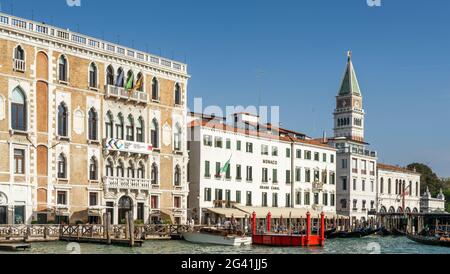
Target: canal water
[369,245]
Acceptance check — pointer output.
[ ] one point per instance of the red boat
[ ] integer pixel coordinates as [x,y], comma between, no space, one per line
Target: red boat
[289,240]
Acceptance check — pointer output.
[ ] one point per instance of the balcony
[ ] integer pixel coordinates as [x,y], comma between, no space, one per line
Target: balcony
[126,183]
[19,65]
[362,152]
[120,93]
[116,145]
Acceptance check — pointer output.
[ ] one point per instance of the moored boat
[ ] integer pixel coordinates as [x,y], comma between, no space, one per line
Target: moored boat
[217,237]
[428,240]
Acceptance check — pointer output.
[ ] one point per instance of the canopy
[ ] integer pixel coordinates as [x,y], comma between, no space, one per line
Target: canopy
[228,212]
[296,213]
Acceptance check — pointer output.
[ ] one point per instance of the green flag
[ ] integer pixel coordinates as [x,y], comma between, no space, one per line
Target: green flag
[226,167]
[130,82]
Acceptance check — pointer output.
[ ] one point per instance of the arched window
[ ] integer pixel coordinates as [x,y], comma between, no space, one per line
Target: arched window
[397,187]
[389,186]
[62,167]
[109,168]
[93,83]
[140,129]
[119,127]
[130,128]
[110,75]
[130,170]
[155,133]
[177,94]
[417,189]
[19,53]
[177,176]
[139,76]
[155,89]
[141,170]
[154,177]
[63,120]
[109,120]
[18,110]
[120,78]
[93,169]
[93,125]
[19,59]
[177,138]
[62,68]
[120,170]
[381,185]
[130,80]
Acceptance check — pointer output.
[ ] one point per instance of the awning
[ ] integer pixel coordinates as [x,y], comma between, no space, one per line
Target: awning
[276,212]
[229,212]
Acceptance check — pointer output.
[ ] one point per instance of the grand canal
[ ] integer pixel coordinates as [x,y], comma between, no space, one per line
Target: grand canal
[369,245]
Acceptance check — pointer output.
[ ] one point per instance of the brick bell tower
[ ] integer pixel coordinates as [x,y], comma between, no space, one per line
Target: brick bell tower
[349,114]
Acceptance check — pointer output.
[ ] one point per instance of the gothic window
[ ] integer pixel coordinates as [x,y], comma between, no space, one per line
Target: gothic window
[130,170]
[120,78]
[120,170]
[155,133]
[93,125]
[93,169]
[119,127]
[110,75]
[62,64]
[63,120]
[18,110]
[109,125]
[141,171]
[109,168]
[177,176]
[93,83]
[62,167]
[140,129]
[130,128]
[154,174]
[155,89]
[177,138]
[177,94]
[19,53]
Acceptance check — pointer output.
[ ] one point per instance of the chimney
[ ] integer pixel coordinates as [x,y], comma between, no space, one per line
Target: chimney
[324,138]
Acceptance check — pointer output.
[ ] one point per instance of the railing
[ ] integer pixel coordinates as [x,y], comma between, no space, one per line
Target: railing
[368,153]
[29,231]
[126,183]
[19,65]
[96,44]
[122,93]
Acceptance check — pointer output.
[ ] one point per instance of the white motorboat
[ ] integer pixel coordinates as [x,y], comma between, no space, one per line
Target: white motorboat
[217,237]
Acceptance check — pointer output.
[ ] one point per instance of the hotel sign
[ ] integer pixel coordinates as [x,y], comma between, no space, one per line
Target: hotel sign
[270,162]
[127,146]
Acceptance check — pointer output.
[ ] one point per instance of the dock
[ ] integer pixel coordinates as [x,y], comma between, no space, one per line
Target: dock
[14,246]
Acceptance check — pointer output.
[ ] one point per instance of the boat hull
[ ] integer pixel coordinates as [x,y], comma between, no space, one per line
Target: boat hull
[204,238]
[428,240]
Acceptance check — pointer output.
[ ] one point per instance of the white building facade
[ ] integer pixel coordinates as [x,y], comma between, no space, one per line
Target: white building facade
[363,188]
[263,164]
[399,190]
[428,204]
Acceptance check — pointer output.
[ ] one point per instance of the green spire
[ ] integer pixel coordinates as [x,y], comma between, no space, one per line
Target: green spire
[350,84]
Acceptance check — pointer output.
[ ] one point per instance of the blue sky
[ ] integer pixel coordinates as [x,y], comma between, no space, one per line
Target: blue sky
[401,52]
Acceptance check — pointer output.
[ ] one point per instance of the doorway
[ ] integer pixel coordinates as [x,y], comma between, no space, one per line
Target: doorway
[125,205]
